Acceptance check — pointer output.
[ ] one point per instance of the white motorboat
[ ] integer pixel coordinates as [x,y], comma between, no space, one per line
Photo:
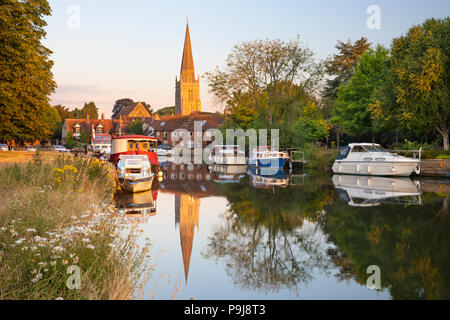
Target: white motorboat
[366,191]
[372,159]
[228,155]
[135,173]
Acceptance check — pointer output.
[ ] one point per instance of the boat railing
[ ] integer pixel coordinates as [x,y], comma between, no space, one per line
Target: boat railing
[415,154]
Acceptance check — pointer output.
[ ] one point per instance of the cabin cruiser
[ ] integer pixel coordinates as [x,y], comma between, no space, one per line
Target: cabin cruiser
[266,178]
[135,173]
[266,156]
[367,191]
[228,155]
[372,159]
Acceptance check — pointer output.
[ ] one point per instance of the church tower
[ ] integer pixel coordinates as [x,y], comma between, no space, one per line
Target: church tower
[187,89]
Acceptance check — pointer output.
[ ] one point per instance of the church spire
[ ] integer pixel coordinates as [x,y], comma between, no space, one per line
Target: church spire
[187,64]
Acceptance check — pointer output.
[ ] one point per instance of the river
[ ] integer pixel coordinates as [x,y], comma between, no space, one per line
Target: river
[247,235]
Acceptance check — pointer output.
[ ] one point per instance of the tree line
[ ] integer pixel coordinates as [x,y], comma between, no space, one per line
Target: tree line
[363,92]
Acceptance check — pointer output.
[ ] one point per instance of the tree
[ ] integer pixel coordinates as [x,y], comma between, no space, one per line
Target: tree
[135,127]
[264,71]
[26,80]
[64,112]
[166,111]
[52,118]
[352,110]
[119,105]
[420,68]
[341,68]
[90,108]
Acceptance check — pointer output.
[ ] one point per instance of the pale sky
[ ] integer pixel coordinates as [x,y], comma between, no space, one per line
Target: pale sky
[132,49]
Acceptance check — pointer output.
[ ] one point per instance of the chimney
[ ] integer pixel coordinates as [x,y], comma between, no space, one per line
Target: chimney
[103,116]
[87,116]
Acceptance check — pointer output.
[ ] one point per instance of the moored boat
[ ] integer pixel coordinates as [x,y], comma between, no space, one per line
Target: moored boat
[135,145]
[265,156]
[228,155]
[372,159]
[135,173]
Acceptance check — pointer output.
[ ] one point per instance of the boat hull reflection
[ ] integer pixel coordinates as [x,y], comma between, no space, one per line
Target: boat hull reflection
[267,178]
[136,207]
[368,191]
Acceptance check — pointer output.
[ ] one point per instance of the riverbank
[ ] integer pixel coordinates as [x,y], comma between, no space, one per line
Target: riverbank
[59,236]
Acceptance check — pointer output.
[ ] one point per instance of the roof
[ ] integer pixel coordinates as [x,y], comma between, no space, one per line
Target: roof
[135,137]
[171,123]
[363,144]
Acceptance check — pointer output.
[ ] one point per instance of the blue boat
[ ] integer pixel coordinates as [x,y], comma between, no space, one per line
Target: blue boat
[267,158]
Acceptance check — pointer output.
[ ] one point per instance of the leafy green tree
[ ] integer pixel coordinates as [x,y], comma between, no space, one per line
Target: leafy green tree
[341,68]
[52,119]
[420,68]
[352,111]
[135,127]
[119,105]
[166,111]
[70,141]
[26,80]
[260,73]
[64,112]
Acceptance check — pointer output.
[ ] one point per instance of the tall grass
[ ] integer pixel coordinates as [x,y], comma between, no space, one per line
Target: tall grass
[60,214]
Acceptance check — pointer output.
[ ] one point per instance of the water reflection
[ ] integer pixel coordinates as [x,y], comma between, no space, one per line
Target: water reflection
[266,178]
[365,191]
[136,207]
[315,239]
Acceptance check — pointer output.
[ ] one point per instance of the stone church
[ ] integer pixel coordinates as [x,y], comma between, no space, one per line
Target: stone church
[187,92]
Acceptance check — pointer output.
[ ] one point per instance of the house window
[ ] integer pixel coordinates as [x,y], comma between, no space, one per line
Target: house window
[174,134]
[157,133]
[77,129]
[99,129]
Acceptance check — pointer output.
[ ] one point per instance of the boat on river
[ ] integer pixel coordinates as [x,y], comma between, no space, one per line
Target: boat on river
[266,156]
[135,145]
[134,173]
[371,159]
[370,191]
[228,155]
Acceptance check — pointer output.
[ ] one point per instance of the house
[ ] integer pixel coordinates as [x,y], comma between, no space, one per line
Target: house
[165,130]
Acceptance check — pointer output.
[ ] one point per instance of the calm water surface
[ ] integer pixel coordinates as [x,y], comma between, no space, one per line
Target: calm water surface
[219,234]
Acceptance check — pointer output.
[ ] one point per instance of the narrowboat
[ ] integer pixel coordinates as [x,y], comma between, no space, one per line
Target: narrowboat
[371,159]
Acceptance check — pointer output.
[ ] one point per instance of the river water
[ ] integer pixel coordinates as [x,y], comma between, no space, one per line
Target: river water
[221,234]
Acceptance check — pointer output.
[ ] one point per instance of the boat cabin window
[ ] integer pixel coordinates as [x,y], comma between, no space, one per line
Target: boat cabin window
[374,148]
[343,152]
[358,149]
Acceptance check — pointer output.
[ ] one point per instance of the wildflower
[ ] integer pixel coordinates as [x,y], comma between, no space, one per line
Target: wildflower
[53,263]
[20,240]
[90,246]
[65,261]
[30,230]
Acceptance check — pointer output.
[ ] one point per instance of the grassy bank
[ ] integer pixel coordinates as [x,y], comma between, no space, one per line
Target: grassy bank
[59,214]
